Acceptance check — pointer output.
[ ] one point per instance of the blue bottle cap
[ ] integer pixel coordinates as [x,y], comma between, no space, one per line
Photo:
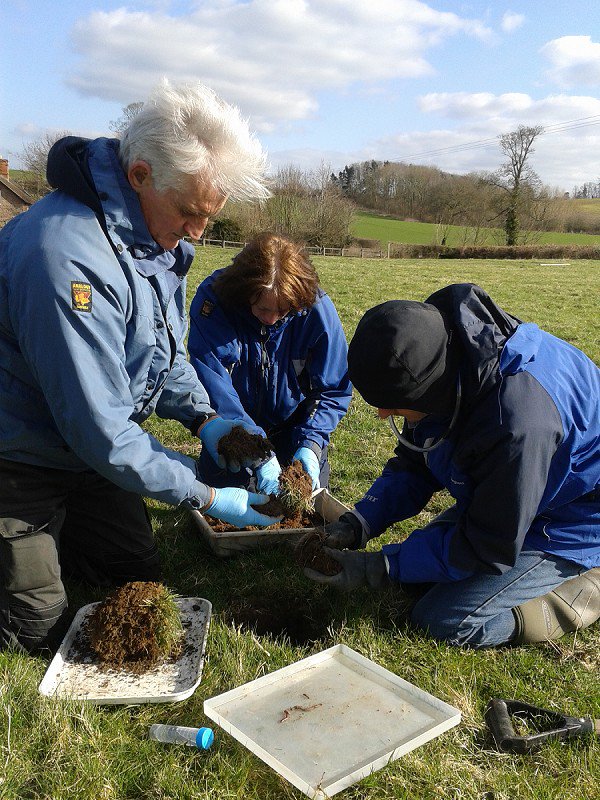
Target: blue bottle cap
[204,738]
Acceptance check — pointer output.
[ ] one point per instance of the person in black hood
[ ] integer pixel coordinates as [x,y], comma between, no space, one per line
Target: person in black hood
[505,417]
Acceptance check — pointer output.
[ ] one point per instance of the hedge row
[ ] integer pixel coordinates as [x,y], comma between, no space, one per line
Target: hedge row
[546,251]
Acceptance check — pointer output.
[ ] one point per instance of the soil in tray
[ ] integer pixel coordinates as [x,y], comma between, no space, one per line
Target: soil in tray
[296,491]
[135,628]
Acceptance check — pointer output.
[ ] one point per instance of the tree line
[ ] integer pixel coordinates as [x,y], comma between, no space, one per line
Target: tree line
[316,206]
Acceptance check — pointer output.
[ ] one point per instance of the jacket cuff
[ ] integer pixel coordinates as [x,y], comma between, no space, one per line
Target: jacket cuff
[312,446]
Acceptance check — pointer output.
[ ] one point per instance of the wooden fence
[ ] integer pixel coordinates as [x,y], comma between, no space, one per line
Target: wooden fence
[351,252]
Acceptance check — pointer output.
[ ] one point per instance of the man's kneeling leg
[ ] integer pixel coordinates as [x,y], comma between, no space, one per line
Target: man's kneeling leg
[32,596]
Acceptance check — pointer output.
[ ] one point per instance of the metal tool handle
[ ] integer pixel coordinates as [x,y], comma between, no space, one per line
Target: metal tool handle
[556,726]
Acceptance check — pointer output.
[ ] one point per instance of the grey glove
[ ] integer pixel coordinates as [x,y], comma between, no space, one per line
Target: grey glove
[345,533]
[358,569]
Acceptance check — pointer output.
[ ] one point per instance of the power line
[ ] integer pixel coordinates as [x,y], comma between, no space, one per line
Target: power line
[559,127]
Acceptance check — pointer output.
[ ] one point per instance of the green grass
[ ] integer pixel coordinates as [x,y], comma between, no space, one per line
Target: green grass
[57,751]
[387,229]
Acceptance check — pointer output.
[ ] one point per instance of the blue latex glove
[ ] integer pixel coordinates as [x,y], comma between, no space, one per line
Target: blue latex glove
[268,476]
[310,463]
[214,430]
[234,505]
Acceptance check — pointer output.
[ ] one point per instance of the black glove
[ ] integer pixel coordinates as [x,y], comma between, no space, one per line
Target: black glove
[358,569]
[346,533]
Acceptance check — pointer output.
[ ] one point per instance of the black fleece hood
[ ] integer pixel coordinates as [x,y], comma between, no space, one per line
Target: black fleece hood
[68,170]
[403,355]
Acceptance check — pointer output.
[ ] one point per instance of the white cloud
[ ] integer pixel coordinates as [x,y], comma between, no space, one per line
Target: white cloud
[511,21]
[270,57]
[574,59]
[561,152]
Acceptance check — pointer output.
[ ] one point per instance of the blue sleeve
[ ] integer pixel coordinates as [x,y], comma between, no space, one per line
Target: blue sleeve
[78,361]
[214,349]
[424,557]
[183,396]
[403,490]
[330,387]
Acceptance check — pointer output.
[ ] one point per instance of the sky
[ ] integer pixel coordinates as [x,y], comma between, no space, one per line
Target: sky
[323,83]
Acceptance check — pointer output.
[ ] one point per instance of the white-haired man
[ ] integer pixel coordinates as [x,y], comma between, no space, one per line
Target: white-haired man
[92,327]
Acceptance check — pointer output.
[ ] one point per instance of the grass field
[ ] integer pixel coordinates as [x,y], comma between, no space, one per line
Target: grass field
[387,229]
[71,751]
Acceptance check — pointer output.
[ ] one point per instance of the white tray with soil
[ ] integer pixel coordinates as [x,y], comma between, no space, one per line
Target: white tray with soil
[229,542]
[331,719]
[76,673]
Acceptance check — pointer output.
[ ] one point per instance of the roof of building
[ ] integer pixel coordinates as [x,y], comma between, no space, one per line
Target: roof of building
[21,194]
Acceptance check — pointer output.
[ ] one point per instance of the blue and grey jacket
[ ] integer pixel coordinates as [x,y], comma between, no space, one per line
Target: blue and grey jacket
[522,464]
[92,331]
[266,375]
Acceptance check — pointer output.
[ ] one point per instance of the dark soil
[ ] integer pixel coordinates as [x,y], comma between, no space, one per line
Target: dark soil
[309,553]
[122,629]
[239,444]
[291,617]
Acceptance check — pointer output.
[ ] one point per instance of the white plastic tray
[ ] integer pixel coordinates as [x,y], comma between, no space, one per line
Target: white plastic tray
[70,675]
[228,543]
[329,720]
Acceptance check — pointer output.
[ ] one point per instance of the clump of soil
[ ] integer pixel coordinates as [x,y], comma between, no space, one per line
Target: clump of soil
[240,444]
[294,503]
[309,552]
[295,491]
[135,627]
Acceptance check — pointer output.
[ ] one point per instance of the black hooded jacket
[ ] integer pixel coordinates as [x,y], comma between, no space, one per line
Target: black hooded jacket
[522,462]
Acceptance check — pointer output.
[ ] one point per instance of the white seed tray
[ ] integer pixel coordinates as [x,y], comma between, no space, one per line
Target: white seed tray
[228,543]
[71,675]
[331,719]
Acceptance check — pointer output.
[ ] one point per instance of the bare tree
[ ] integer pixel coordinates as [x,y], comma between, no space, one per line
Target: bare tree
[35,154]
[516,177]
[34,157]
[130,111]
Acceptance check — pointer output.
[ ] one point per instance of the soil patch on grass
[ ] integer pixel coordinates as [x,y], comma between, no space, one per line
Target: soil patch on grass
[291,617]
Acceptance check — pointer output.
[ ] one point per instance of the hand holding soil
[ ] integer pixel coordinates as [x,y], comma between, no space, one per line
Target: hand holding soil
[309,553]
[239,446]
[294,502]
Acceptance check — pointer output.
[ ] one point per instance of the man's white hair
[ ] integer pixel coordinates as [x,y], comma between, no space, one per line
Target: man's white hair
[189,130]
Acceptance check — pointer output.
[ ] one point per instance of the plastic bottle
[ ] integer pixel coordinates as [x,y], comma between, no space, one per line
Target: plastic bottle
[202,738]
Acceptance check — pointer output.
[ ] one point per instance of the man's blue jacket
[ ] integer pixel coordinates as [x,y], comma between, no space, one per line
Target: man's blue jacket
[92,331]
[265,374]
[523,462]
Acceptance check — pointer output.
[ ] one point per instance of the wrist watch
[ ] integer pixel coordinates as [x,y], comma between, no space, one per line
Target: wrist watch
[200,419]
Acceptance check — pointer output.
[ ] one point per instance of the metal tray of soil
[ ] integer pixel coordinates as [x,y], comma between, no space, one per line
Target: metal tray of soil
[228,543]
[75,673]
[331,719]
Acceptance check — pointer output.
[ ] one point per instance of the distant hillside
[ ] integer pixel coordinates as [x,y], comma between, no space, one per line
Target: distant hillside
[387,229]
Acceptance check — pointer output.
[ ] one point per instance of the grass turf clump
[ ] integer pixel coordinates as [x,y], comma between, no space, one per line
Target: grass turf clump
[136,626]
[295,492]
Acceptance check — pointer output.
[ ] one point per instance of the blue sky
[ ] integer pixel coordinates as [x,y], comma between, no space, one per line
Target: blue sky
[323,82]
